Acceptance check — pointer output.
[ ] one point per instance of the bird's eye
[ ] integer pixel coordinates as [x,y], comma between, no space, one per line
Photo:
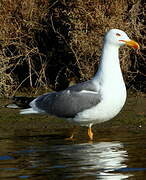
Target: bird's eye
[117,34]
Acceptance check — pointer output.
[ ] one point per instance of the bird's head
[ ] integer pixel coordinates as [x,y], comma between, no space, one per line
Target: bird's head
[119,38]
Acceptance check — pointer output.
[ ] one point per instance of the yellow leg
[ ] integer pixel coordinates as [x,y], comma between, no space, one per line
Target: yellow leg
[71,137]
[90,133]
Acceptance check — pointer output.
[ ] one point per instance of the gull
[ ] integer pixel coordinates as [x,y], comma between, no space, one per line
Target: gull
[96,100]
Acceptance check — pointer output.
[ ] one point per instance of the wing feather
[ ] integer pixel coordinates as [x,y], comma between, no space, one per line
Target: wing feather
[66,103]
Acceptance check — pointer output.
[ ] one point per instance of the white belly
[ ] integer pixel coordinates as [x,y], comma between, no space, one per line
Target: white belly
[110,105]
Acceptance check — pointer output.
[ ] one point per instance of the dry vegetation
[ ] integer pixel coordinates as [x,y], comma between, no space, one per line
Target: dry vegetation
[45,41]
[91,19]
[20,20]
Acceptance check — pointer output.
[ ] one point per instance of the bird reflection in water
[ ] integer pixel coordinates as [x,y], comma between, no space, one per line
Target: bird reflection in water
[102,160]
[99,160]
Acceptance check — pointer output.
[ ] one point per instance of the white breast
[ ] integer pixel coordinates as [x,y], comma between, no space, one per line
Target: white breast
[110,105]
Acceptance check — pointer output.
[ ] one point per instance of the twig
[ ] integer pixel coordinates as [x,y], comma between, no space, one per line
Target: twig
[20,85]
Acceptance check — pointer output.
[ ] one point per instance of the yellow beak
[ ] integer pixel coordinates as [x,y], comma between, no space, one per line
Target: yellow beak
[131,43]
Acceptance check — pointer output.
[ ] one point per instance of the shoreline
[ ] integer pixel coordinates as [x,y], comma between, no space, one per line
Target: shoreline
[132,117]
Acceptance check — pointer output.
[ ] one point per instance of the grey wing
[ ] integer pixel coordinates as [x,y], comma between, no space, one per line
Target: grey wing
[87,85]
[67,103]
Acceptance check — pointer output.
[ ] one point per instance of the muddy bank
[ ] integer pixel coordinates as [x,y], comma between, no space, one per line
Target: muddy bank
[131,118]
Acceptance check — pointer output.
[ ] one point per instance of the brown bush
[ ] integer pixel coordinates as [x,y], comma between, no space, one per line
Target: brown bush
[19,22]
[91,19]
[42,43]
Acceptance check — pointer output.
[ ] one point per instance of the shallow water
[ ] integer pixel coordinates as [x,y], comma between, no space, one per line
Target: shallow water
[115,154]
[44,158]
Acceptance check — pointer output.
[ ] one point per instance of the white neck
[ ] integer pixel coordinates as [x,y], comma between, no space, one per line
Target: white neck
[109,70]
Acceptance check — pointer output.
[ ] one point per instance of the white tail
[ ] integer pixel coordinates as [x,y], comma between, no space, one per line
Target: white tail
[28,111]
